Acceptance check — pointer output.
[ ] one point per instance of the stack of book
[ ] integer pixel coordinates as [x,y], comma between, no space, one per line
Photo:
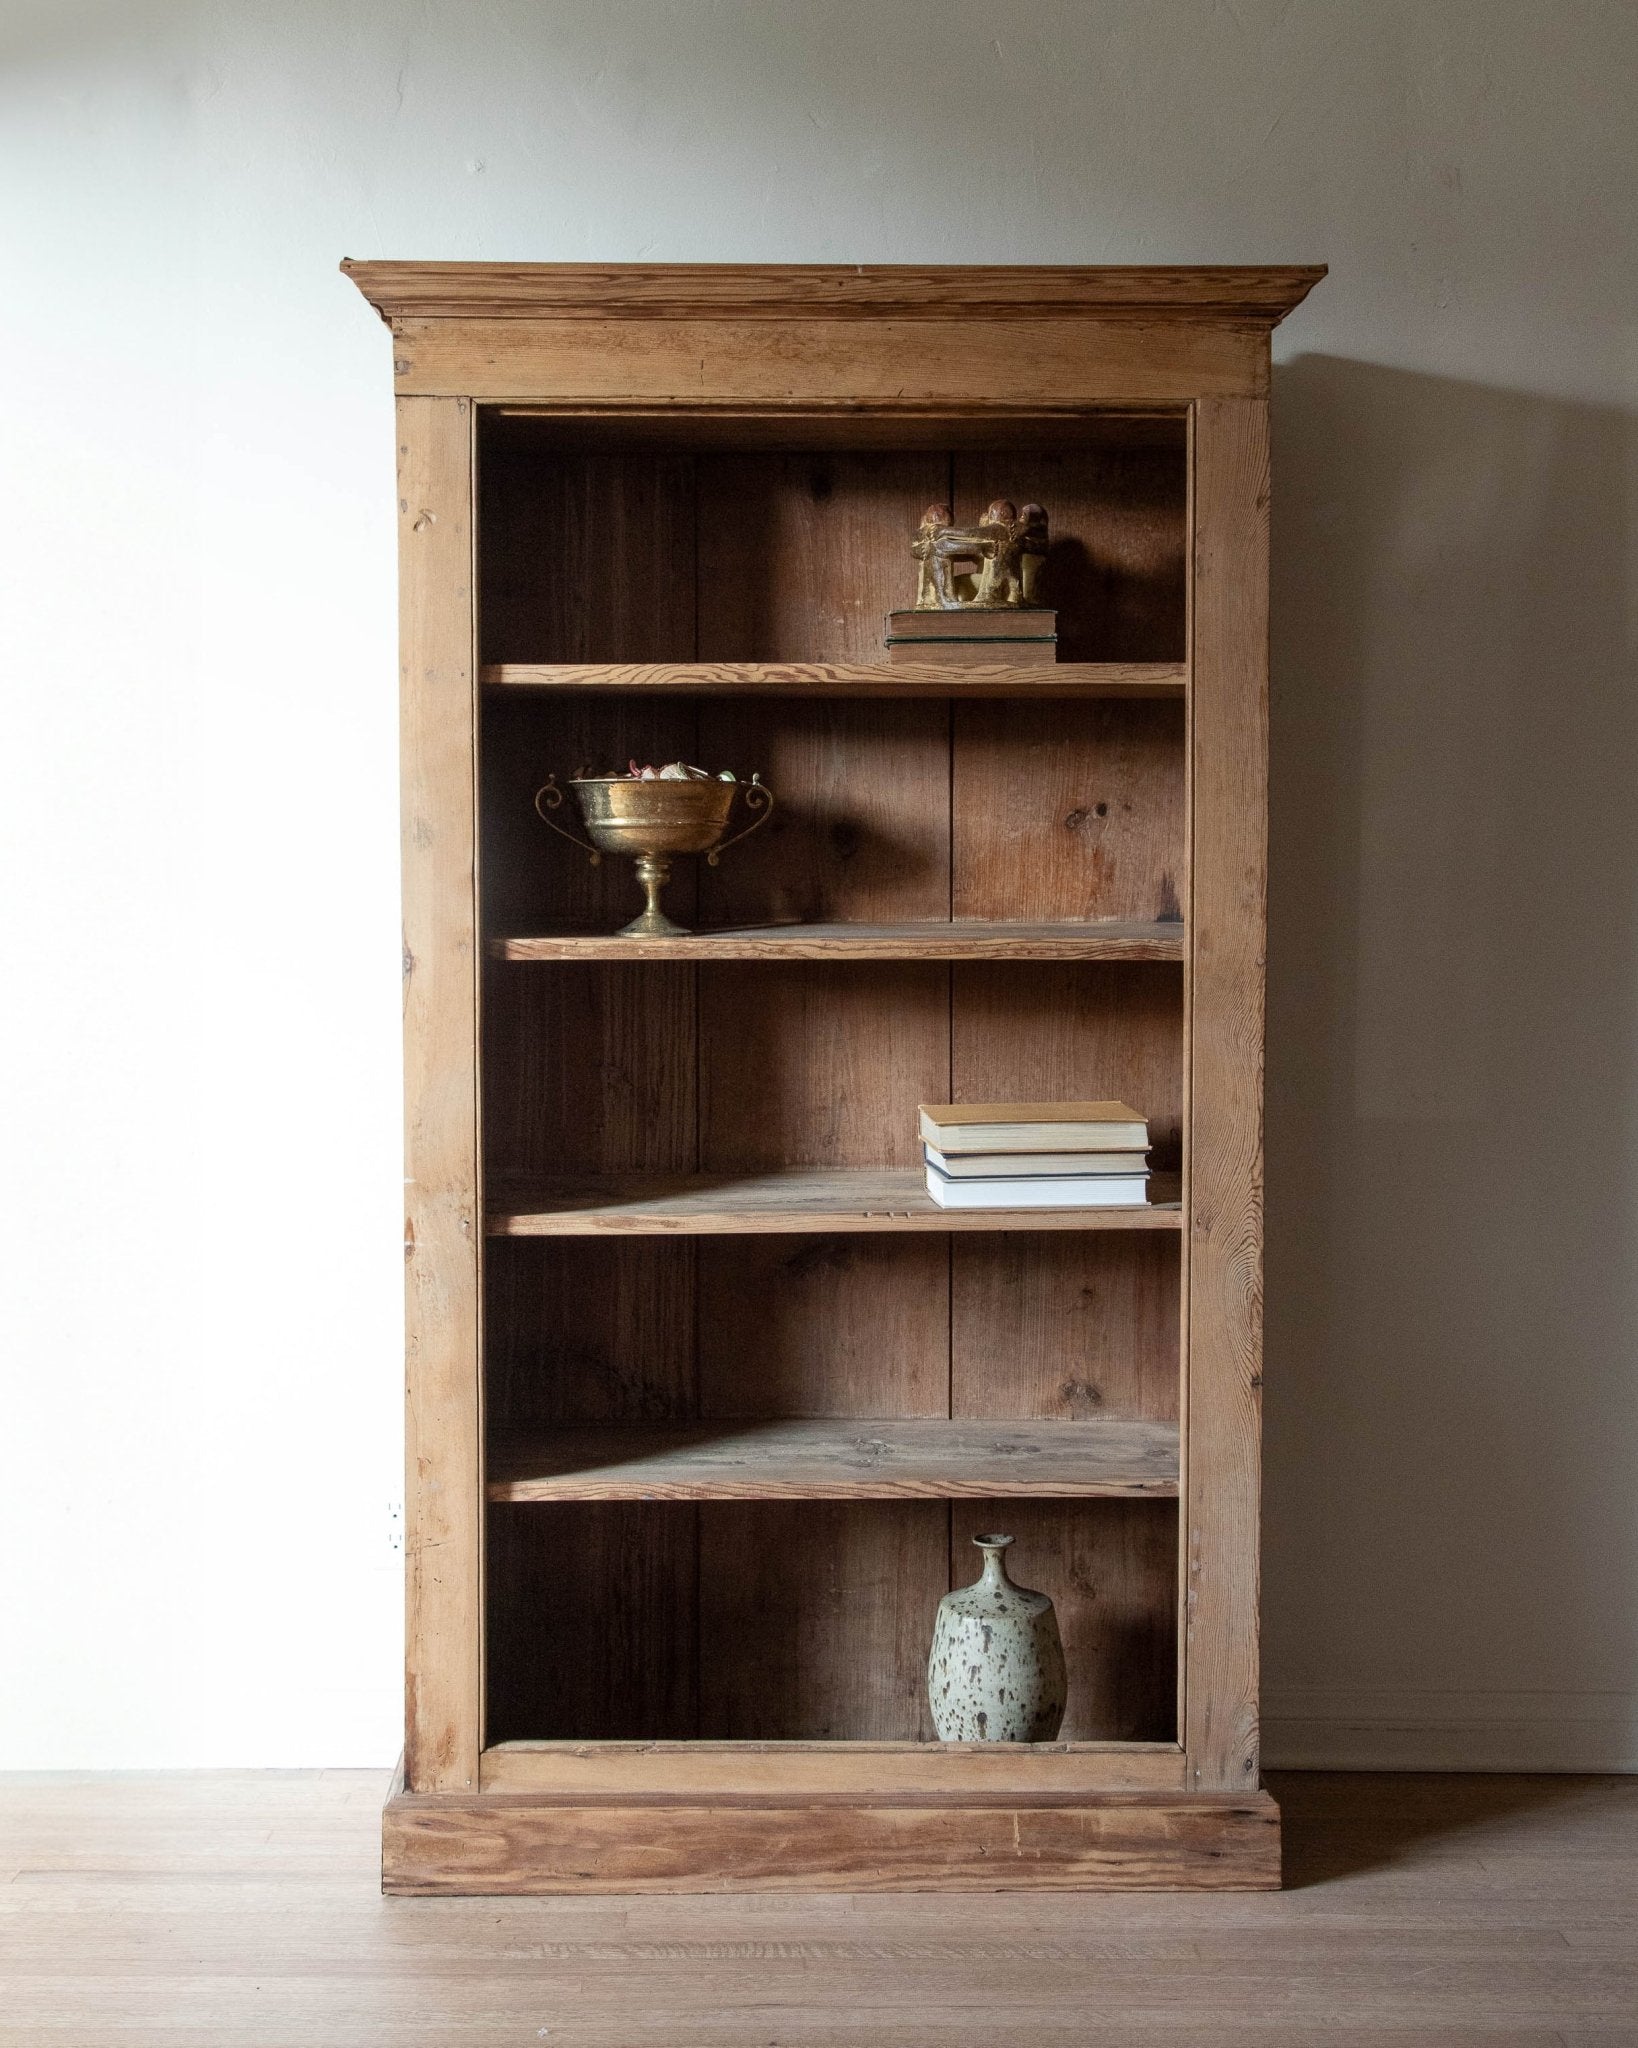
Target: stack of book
[1035,1155]
[974,635]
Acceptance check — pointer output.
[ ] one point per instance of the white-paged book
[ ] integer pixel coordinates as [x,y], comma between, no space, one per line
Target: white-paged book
[993,1165]
[1049,1191]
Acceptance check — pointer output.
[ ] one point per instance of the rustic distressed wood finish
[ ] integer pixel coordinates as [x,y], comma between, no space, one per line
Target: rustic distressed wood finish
[853,1460]
[442,1222]
[847,679]
[705,1397]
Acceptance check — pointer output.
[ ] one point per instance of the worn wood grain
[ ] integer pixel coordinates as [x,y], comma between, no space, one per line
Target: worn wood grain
[968,938]
[1134,1842]
[593,1620]
[590,1069]
[855,1324]
[959,364]
[840,1460]
[667,291]
[576,1336]
[813,1772]
[803,555]
[815,1618]
[812,1065]
[581,554]
[834,424]
[848,679]
[586,1330]
[1059,1033]
[819,1064]
[804,1199]
[1065,1325]
[1229,782]
[860,828]
[1067,810]
[240,1908]
[442,1231]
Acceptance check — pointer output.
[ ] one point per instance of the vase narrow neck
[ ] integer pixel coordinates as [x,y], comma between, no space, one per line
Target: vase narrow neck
[995,1565]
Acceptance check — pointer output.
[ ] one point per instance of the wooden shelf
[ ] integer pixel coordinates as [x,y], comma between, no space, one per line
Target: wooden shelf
[829,679]
[961,939]
[820,1199]
[844,1460]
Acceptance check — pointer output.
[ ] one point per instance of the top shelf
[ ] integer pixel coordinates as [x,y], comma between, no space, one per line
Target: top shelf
[833,679]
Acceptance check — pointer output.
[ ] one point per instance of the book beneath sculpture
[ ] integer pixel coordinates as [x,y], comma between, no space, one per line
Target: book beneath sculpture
[973,637]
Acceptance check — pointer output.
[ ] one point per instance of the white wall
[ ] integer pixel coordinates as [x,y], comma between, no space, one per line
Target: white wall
[201,1302]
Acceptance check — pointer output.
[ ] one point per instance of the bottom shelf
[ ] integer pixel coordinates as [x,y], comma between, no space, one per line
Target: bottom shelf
[518,1843]
[826,1770]
[807,1621]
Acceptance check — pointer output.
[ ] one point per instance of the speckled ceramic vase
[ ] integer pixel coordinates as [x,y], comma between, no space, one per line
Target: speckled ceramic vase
[996,1673]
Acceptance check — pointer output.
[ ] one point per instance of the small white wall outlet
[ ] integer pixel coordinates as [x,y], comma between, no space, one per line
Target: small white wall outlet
[395,1527]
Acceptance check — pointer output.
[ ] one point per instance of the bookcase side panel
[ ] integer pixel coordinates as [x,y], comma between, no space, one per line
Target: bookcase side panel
[1229,785]
[442,1235]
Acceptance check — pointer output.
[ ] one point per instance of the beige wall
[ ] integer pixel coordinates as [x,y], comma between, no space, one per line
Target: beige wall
[200,1204]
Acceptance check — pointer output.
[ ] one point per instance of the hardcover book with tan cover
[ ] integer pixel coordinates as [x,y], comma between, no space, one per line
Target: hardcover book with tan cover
[1033,1127]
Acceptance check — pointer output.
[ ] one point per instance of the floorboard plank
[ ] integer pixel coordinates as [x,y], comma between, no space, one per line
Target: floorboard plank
[240,1910]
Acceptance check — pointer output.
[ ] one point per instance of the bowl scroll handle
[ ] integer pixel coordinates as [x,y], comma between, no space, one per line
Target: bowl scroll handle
[758,798]
[554,799]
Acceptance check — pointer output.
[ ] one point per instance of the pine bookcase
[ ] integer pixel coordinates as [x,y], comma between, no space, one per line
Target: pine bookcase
[704,1396]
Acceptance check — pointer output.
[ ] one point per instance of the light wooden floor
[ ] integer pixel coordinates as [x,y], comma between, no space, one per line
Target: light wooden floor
[189,1911]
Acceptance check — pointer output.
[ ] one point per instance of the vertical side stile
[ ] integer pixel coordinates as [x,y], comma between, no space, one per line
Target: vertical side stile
[1228,770]
[442,1238]
[1183,1548]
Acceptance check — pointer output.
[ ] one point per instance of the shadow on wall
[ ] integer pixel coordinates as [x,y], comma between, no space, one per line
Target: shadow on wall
[1453,1061]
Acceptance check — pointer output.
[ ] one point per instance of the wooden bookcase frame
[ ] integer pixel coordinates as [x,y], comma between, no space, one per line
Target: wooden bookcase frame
[862,358]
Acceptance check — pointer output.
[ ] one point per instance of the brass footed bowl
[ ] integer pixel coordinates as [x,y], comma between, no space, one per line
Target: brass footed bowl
[650,821]
[626,816]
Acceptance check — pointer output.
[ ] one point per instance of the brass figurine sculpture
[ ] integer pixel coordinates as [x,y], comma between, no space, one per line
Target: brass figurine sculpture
[993,566]
[651,817]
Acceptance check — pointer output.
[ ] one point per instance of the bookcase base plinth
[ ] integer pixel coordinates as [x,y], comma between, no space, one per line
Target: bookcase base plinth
[521,1844]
